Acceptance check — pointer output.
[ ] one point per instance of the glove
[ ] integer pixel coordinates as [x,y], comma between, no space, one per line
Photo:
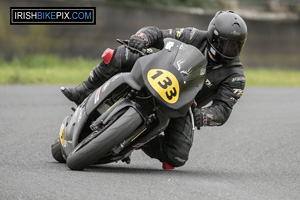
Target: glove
[139,41]
[198,117]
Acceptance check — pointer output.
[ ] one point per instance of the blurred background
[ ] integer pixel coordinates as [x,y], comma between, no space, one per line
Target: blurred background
[273,28]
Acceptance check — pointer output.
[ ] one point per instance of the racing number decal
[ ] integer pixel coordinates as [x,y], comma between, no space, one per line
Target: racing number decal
[61,134]
[165,84]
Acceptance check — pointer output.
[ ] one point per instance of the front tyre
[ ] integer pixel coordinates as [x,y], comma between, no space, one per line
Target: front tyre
[100,146]
[56,151]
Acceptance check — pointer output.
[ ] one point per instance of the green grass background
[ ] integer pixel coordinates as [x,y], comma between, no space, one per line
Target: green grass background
[53,70]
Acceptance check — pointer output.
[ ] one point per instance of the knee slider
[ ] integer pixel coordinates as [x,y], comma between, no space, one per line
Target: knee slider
[176,159]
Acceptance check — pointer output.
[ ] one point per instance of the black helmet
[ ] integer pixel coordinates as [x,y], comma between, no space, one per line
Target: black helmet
[226,35]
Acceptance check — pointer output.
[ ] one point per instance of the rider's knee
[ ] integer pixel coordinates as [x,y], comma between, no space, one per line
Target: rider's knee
[176,158]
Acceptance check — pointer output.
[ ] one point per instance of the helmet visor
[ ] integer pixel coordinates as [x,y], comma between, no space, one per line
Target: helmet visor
[226,47]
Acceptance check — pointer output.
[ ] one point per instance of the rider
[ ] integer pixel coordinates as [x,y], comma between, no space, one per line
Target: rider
[222,44]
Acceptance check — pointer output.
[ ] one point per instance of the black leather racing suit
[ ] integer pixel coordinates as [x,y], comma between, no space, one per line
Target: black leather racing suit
[224,86]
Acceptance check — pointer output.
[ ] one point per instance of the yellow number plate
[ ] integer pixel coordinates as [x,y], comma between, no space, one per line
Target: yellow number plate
[165,84]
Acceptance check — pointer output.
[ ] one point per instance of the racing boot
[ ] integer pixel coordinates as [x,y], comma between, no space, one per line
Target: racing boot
[80,92]
[97,77]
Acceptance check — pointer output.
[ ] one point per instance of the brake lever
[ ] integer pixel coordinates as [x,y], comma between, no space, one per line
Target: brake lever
[143,52]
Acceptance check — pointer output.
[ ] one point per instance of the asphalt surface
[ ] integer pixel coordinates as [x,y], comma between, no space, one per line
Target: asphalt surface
[255,155]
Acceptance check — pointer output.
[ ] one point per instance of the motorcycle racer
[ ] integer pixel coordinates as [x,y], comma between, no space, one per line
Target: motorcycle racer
[222,44]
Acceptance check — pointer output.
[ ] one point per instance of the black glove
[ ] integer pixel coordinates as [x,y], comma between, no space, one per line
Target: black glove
[139,41]
[198,116]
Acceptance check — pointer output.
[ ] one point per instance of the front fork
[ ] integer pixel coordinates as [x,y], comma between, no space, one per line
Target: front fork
[192,117]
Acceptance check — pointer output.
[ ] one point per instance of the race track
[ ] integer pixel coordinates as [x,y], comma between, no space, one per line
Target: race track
[255,155]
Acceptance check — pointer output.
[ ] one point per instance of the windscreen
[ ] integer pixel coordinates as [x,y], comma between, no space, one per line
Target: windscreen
[189,62]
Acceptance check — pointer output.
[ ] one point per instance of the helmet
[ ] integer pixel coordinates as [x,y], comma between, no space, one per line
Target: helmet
[226,35]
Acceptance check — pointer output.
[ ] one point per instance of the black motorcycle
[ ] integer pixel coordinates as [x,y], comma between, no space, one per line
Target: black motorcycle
[131,108]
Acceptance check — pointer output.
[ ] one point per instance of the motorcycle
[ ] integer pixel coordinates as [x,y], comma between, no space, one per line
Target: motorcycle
[131,108]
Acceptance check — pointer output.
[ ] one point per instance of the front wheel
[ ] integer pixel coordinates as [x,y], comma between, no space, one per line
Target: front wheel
[56,151]
[100,146]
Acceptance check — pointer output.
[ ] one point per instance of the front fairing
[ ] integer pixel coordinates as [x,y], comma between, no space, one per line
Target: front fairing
[174,75]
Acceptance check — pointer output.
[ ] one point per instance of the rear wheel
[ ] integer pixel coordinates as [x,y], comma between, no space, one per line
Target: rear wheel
[100,146]
[56,151]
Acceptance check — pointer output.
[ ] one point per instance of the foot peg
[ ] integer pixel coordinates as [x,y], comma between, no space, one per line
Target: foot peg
[127,160]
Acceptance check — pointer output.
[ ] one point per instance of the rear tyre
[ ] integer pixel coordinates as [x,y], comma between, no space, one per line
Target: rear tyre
[56,151]
[103,144]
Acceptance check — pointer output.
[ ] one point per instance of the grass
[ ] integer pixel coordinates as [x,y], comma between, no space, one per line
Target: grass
[52,70]
[272,77]
[45,69]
